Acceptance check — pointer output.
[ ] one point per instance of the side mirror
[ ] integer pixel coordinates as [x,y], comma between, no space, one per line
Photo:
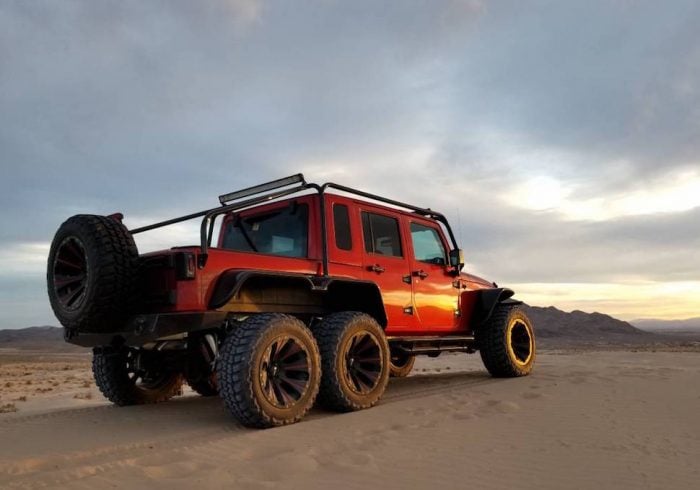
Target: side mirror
[457,259]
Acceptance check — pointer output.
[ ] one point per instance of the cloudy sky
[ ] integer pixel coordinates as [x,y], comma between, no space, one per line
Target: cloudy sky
[561,138]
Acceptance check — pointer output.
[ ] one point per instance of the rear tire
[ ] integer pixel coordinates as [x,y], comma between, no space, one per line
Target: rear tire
[269,371]
[401,365]
[507,343]
[91,272]
[122,382]
[355,361]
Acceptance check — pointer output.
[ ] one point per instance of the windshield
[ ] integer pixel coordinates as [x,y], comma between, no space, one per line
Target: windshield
[280,232]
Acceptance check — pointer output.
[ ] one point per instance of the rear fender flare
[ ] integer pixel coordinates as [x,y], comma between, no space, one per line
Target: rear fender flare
[232,281]
[334,294]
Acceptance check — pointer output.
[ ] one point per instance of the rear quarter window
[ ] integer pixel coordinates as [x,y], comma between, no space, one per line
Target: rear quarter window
[282,232]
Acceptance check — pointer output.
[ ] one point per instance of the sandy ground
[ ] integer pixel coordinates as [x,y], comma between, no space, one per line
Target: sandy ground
[582,420]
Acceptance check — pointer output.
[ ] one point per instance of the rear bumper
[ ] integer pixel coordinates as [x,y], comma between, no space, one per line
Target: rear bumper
[142,329]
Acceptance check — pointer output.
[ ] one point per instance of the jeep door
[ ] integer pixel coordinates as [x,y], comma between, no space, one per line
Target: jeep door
[385,262]
[435,296]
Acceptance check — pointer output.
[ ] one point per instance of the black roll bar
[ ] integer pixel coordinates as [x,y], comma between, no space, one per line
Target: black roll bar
[227,206]
[427,212]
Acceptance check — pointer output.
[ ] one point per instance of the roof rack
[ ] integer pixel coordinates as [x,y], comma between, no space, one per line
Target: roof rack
[281,188]
[427,212]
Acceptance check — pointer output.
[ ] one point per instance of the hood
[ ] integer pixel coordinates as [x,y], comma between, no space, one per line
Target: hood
[476,282]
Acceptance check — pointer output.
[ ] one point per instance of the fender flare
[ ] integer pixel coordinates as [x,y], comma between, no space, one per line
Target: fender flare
[230,283]
[338,293]
[488,300]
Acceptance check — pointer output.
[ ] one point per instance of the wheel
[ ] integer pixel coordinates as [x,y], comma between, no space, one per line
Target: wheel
[126,377]
[354,361]
[90,274]
[204,385]
[507,343]
[401,365]
[269,370]
[199,369]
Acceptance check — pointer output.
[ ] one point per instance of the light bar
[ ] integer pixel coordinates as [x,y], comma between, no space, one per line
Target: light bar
[274,184]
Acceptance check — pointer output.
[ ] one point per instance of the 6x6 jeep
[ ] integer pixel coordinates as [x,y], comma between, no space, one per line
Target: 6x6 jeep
[297,292]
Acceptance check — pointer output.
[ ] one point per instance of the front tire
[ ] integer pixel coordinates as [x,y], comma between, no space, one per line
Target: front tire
[200,372]
[401,365]
[122,380]
[507,343]
[204,385]
[269,371]
[355,361]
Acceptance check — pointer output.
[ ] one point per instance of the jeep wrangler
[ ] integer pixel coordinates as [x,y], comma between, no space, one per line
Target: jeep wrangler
[297,292]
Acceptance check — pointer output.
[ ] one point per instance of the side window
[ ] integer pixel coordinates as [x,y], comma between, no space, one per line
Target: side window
[282,232]
[341,223]
[381,234]
[427,245]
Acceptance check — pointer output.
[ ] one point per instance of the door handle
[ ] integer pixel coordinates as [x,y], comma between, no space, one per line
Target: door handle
[376,268]
[421,273]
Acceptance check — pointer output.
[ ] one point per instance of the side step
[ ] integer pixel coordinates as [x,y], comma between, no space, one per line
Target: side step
[433,346]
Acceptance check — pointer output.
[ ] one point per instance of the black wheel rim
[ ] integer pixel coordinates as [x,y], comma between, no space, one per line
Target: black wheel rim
[363,363]
[70,273]
[141,377]
[400,360]
[284,372]
[520,342]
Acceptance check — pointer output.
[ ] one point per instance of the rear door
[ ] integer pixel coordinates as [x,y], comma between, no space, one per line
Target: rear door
[385,261]
[435,295]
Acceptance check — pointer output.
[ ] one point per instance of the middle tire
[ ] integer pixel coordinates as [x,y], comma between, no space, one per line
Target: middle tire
[269,370]
[355,361]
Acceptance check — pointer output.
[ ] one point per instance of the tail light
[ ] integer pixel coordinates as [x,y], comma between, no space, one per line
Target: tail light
[185,265]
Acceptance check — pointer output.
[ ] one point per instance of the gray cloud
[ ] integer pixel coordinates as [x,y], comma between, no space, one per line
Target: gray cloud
[154,108]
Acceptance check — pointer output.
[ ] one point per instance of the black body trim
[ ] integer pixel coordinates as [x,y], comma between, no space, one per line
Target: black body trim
[141,329]
[432,345]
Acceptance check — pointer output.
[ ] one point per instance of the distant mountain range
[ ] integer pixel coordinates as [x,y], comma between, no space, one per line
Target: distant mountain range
[552,323]
[552,327]
[43,338]
[690,325]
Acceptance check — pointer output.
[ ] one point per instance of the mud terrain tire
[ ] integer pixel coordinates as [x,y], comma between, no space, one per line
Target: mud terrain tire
[507,343]
[355,361]
[401,365]
[269,370]
[116,379]
[204,385]
[90,274]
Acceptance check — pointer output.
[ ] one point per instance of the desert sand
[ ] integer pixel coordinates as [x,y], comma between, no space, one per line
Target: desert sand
[583,419]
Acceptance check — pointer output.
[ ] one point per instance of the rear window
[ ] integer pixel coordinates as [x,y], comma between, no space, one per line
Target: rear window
[280,232]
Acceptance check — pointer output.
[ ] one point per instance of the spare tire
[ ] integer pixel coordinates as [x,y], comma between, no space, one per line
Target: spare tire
[91,273]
